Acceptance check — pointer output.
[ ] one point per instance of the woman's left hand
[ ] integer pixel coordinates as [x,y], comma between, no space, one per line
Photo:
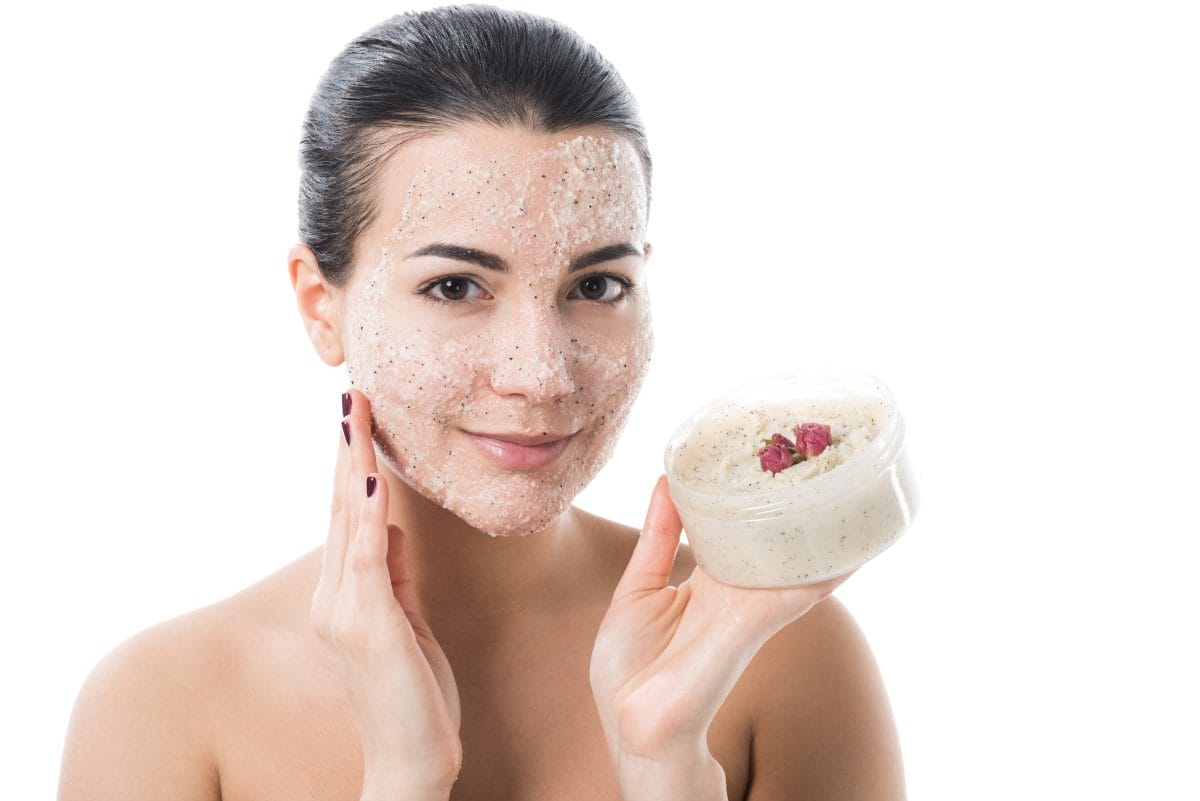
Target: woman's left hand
[666,657]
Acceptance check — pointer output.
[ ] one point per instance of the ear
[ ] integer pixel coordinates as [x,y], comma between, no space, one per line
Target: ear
[319,303]
[646,251]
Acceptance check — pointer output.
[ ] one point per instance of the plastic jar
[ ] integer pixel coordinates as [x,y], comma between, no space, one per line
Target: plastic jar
[784,530]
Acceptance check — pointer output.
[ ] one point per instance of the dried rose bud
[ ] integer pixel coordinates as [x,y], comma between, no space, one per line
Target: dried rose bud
[780,439]
[775,457]
[811,439]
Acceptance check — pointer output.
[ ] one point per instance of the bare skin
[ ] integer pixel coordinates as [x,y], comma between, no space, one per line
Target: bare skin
[249,690]
[242,700]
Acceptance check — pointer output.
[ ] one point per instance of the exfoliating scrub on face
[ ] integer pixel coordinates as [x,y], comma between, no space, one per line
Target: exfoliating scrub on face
[455,356]
[792,480]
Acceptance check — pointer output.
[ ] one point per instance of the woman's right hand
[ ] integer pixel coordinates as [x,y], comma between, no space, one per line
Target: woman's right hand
[394,673]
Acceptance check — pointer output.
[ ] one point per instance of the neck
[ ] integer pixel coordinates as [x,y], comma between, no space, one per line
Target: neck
[463,576]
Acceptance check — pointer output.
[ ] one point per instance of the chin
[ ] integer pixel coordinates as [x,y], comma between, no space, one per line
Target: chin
[497,502]
[521,527]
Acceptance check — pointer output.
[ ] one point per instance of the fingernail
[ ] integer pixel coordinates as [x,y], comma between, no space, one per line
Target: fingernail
[371,482]
[346,430]
[345,403]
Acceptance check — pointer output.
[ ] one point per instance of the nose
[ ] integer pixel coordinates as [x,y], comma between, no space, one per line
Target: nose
[531,357]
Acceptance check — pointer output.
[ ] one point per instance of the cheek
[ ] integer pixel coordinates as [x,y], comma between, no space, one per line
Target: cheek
[422,381]
[415,385]
[610,371]
[420,387]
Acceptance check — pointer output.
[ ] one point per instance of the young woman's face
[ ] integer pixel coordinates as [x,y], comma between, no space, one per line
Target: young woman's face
[500,291]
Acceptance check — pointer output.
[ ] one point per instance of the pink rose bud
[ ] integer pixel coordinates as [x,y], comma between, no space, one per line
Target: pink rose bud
[781,440]
[811,439]
[775,457]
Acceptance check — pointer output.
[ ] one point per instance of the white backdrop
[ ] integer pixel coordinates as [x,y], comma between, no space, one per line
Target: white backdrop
[992,206]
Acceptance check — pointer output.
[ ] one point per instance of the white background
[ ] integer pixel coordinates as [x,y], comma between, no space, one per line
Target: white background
[992,206]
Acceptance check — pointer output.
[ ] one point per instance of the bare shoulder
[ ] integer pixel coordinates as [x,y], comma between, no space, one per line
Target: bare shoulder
[822,723]
[146,722]
[140,725]
[615,543]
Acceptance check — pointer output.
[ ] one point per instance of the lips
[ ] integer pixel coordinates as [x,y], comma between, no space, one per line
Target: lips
[518,451]
[522,439]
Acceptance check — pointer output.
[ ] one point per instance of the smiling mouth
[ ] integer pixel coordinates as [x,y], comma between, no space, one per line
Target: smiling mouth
[522,439]
[534,452]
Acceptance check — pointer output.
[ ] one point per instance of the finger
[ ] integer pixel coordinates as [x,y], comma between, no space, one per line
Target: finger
[397,557]
[362,460]
[401,574]
[650,566]
[368,559]
[334,558]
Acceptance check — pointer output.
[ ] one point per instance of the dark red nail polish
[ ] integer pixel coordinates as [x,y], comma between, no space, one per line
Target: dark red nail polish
[345,403]
[346,430]
[371,482]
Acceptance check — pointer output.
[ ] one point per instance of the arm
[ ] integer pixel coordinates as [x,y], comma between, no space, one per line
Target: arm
[824,728]
[666,658]
[135,732]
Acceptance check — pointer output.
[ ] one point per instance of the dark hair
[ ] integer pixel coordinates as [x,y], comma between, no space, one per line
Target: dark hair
[424,72]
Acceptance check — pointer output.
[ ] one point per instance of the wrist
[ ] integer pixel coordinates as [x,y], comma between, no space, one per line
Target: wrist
[386,783]
[690,772]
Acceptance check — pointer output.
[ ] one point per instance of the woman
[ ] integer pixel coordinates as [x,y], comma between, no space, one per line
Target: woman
[475,193]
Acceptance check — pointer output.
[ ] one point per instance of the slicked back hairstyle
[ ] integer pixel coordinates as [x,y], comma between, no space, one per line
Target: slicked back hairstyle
[426,72]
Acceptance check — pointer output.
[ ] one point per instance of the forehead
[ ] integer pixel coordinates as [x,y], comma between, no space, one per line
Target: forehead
[541,194]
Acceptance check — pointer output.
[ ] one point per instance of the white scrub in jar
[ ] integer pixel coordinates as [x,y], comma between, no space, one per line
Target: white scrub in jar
[760,519]
[722,454]
[540,348]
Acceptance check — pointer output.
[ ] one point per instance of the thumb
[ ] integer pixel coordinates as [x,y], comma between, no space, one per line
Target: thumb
[650,566]
[399,571]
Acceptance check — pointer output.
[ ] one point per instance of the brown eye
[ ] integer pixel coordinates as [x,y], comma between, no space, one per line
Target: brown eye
[451,289]
[593,287]
[454,288]
[603,287]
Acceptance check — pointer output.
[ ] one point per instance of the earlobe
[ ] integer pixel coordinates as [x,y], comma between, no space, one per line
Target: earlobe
[319,304]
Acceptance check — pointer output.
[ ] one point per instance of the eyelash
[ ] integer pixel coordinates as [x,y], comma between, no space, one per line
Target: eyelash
[629,288]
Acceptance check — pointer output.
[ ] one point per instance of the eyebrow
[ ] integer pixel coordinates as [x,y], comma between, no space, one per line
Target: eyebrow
[491,261]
